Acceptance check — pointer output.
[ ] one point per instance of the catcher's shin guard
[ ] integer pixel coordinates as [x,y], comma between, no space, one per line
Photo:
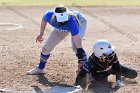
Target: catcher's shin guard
[128,72]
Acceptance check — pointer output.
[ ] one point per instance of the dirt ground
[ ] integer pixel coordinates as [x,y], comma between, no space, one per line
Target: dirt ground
[19,52]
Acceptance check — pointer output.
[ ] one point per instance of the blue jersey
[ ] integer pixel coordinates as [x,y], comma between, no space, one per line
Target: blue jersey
[70,26]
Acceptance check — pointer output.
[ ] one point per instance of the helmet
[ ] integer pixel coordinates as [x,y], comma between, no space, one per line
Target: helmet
[103,49]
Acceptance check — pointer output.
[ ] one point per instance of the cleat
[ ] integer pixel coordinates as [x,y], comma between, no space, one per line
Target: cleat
[36,71]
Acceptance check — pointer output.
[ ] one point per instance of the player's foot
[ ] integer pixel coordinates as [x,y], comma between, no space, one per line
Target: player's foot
[36,71]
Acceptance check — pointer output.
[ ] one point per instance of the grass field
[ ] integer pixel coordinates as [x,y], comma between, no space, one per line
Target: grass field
[68,2]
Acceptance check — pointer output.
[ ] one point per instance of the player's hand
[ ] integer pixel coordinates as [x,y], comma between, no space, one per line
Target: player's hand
[118,84]
[39,38]
[80,65]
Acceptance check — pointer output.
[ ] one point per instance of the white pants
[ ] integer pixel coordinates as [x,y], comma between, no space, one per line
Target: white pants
[57,36]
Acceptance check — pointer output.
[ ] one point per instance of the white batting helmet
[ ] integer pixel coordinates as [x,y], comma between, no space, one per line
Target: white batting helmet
[103,49]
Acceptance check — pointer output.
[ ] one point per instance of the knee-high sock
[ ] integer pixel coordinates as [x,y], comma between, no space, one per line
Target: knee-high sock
[43,60]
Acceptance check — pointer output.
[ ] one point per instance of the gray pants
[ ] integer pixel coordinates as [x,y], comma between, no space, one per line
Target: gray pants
[57,36]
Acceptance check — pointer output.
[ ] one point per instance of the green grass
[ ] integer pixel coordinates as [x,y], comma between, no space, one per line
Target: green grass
[68,2]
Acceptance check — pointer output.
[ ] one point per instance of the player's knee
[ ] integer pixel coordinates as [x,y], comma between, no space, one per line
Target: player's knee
[133,74]
[45,50]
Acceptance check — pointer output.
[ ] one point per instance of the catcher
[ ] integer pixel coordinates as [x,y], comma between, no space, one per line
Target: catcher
[102,63]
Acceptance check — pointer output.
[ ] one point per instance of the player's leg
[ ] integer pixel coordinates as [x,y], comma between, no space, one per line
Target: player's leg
[128,72]
[55,38]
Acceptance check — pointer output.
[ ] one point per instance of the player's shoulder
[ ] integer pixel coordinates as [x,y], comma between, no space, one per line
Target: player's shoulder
[72,20]
[90,63]
[92,58]
[115,59]
[48,15]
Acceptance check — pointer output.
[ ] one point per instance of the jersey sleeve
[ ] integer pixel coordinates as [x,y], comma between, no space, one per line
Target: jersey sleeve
[73,27]
[89,65]
[48,15]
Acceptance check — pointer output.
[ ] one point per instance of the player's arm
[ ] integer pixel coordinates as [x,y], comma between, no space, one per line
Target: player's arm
[75,33]
[39,38]
[116,64]
[78,42]
[81,55]
[46,17]
[117,68]
[80,77]
[43,26]
[85,70]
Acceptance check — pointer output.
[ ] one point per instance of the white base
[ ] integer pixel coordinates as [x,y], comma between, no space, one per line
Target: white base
[59,89]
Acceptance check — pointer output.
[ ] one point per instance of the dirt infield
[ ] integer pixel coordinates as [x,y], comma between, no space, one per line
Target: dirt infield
[19,52]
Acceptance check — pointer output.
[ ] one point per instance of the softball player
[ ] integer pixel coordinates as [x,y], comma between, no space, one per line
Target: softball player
[64,21]
[102,63]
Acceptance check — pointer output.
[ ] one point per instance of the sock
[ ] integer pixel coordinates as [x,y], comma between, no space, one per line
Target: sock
[43,60]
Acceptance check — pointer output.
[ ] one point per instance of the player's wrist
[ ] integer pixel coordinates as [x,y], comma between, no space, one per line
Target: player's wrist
[80,52]
[41,33]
